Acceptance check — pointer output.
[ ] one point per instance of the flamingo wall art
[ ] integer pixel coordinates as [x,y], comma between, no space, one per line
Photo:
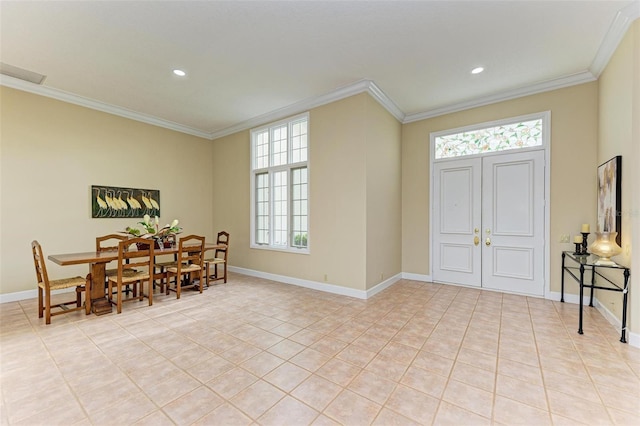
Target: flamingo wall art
[110,201]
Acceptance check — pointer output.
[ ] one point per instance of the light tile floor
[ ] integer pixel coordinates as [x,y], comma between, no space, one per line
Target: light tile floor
[258,352]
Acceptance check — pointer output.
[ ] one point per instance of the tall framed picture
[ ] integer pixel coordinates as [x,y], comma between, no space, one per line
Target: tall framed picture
[609,196]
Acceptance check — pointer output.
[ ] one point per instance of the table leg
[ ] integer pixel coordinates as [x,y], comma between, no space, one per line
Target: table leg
[97,280]
[562,280]
[581,296]
[593,284]
[99,304]
[625,291]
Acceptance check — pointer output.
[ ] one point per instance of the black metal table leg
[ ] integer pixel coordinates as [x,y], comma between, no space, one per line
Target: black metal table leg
[593,283]
[625,291]
[562,280]
[581,296]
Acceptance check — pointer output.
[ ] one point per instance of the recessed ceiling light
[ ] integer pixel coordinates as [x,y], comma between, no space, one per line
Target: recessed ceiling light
[179,73]
[477,70]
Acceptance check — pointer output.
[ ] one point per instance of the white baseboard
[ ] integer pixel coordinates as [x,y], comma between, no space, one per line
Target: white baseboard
[29,294]
[568,298]
[416,277]
[19,295]
[632,338]
[384,284]
[607,314]
[315,285]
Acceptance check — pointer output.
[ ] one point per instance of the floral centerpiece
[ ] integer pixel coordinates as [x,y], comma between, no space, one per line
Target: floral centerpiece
[153,230]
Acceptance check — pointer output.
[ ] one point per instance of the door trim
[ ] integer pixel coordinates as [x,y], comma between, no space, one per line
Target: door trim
[546,147]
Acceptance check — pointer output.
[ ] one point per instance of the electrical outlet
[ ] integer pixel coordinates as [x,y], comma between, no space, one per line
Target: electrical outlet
[564,238]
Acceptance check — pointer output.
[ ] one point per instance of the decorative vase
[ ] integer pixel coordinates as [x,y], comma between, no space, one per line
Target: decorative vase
[605,247]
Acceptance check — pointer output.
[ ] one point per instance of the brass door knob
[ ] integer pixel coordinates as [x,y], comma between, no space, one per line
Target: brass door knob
[476,240]
[488,242]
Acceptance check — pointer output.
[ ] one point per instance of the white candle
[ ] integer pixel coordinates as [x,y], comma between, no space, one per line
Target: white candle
[585,228]
[577,239]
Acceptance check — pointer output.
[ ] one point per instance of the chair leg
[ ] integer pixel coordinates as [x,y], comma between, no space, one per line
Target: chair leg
[40,303]
[87,295]
[47,307]
[119,300]
[150,296]
[178,286]
[109,290]
[225,271]
[206,269]
[139,283]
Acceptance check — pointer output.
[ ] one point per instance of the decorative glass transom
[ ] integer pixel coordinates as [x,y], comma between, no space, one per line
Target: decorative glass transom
[523,134]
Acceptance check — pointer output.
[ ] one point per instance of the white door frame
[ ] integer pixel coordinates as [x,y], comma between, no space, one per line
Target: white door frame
[546,146]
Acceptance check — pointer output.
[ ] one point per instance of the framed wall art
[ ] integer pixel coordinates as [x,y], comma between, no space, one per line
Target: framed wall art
[111,201]
[609,196]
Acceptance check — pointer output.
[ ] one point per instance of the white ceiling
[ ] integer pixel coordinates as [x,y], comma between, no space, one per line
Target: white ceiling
[249,61]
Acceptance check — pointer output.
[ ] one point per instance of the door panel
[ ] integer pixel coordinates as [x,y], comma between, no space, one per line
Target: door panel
[488,222]
[513,218]
[457,186]
[513,198]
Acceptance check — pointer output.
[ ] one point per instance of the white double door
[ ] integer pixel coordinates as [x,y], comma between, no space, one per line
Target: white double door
[488,222]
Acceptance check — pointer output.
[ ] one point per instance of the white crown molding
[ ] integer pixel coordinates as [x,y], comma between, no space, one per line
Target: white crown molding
[307,104]
[616,32]
[49,92]
[314,285]
[544,86]
[618,28]
[385,101]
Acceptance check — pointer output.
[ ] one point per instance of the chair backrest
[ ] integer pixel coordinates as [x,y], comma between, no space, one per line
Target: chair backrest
[39,263]
[109,242]
[142,257]
[190,250]
[223,238]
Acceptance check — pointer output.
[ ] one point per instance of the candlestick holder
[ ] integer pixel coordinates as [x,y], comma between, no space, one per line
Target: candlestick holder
[584,243]
[578,251]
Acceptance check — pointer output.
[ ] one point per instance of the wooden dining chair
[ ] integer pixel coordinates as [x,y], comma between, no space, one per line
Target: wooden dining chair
[161,267]
[110,243]
[47,286]
[190,262]
[141,260]
[220,257]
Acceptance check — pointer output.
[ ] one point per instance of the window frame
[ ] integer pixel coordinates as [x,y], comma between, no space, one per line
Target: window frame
[270,170]
[545,116]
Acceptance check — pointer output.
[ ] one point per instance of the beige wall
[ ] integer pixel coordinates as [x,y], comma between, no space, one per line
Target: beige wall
[574,132]
[619,115]
[51,154]
[384,186]
[354,145]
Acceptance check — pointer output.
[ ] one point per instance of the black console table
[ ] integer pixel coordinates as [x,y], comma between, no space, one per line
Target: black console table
[580,264]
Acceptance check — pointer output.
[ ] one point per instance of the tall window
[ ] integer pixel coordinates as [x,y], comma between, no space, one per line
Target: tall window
[279,191]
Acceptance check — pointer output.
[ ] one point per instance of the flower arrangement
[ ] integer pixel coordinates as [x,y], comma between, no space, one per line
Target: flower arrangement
[153,230]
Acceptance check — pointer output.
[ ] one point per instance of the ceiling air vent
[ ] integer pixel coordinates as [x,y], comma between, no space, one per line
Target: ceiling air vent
[22,74]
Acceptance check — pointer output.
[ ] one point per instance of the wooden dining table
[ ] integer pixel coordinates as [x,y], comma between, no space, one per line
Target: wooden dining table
[97,262]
